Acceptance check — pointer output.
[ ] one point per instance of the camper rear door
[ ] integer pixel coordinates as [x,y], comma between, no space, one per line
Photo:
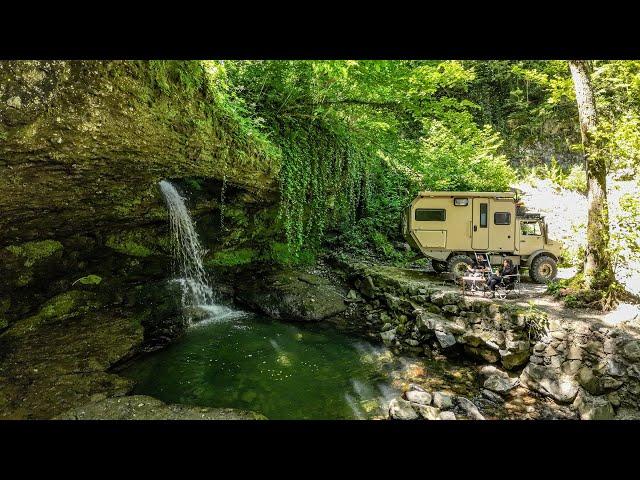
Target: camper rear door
[480,224]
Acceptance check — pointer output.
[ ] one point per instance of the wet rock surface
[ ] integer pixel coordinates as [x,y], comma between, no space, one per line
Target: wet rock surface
[62,354]
[141,407]
[293,295]
[49,367]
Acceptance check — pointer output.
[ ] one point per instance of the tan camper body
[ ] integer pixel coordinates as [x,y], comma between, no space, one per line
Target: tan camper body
[455,225]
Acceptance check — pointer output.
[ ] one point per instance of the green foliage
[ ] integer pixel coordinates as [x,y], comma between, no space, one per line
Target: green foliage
[536,322]
[571,178]
[232,258]
[573,293]
[207,80]
[283,254]
[464,160]
[531,103]
[354,141]
[360,138]
[625,237]
[89,280]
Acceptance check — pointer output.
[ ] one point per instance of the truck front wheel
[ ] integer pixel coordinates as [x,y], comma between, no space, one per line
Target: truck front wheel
[439,266]
[543,269]
[458,265]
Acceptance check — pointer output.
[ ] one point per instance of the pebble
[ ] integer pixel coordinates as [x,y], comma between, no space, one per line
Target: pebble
[421,398]
[469,407]
[494,397]
[442,400]
[447,416]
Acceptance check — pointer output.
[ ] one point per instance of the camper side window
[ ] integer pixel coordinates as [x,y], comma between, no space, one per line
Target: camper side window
[483,215]
[430,215]
[502,218]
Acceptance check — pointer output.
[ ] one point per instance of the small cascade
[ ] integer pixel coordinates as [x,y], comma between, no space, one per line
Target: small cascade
[198,298]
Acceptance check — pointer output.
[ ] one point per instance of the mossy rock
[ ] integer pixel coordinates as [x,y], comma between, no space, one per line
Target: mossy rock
[5,304]
[134,123]
[35,252]
[128,243]
[23,263]
[60,307]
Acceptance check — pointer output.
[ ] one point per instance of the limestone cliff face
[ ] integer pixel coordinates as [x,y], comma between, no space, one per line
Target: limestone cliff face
[84,143]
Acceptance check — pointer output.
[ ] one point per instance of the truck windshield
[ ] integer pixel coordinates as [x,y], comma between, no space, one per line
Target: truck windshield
[531,228]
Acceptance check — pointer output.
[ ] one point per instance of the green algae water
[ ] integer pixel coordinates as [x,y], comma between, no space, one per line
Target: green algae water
[280,370]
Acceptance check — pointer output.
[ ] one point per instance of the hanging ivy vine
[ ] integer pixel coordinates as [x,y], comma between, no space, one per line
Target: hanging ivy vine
[323,183]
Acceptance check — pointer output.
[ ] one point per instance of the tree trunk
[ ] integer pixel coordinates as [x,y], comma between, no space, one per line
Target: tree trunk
[597,264]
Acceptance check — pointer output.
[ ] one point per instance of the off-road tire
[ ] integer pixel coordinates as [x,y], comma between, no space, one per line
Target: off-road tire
[543,269]
[439,266]
[455,265]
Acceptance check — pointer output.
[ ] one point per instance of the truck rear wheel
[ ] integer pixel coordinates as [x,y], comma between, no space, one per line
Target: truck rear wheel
[543,269]
[439,266]
[458,265]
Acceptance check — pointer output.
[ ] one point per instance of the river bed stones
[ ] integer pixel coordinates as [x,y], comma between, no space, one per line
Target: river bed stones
[388,336]
[555,358]
[442,400]
[593,407]
[400,409]
[445,340]
[469,407]
[500,384]
[420,404]
[419,397]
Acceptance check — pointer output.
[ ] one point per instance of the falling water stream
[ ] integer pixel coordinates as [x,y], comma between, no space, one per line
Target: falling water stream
[198,298]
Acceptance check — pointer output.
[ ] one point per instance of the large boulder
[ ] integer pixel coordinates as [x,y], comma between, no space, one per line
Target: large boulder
[293,295]
[550,382]
[592,407]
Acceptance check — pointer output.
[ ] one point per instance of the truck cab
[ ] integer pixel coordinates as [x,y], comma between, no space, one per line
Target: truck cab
[450,227]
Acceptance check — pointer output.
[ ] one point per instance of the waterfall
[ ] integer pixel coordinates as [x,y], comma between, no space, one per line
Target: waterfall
[186,250]
[198,298]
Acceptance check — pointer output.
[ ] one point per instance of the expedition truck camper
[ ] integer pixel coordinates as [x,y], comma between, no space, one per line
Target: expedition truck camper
[450,227]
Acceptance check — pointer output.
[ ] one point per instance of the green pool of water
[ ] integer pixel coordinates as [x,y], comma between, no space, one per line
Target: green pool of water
[281,370]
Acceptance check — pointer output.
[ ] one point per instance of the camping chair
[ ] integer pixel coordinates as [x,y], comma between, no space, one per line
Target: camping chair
[509,283]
